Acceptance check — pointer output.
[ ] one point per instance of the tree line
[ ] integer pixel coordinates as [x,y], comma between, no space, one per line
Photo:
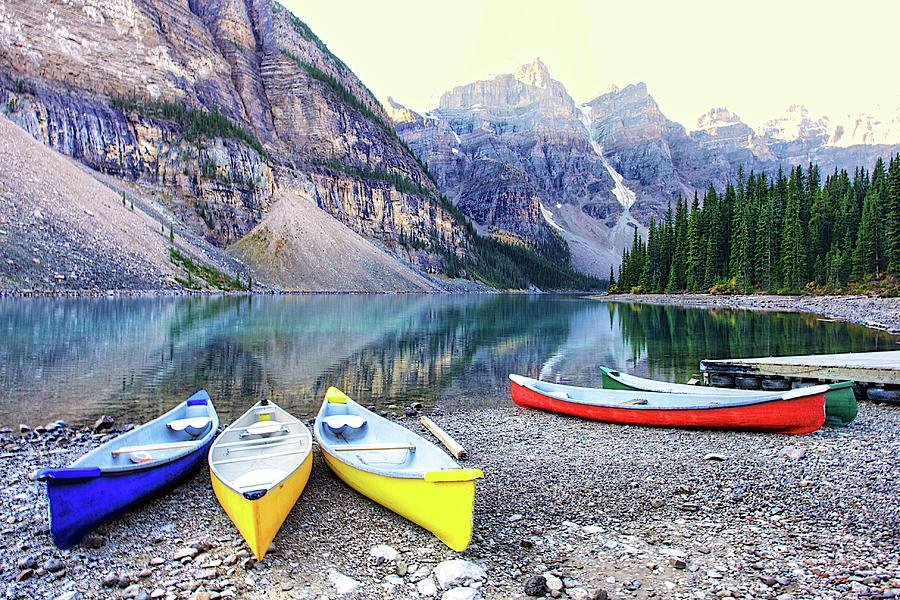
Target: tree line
[782,234]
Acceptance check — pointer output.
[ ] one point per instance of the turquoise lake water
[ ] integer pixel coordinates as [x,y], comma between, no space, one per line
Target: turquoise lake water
[78,358]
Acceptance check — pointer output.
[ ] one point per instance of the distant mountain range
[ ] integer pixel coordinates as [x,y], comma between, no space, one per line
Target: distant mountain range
[521,158]
[255,156]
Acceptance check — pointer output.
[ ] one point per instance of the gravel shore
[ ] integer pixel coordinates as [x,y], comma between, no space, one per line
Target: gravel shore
[878,313]
[568,508]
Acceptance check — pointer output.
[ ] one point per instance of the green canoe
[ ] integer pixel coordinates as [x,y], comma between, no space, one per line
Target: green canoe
[840,401]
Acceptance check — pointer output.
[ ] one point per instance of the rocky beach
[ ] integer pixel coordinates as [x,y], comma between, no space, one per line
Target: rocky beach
[568,508]
[871,311]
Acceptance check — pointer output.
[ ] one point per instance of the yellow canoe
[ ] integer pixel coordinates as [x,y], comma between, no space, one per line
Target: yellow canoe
[397,468]
[259,467]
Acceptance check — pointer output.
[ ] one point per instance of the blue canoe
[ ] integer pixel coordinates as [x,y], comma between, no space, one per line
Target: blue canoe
[128,469]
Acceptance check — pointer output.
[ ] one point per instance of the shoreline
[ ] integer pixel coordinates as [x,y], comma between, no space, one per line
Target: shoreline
[870,311]
[612,511]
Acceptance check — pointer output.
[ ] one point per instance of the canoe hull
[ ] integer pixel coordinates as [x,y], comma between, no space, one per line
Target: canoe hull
[78,505]
[795,416]
[840,404]
[442,507]
[259,520]
[840,400]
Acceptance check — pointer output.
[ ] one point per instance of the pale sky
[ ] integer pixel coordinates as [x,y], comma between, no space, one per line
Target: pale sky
[756,58]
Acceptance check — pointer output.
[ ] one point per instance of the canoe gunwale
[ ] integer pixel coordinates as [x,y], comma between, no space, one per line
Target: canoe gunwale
[257,493]
[326,445]
[725,401]
[642,384]
[800,415]
[78,465]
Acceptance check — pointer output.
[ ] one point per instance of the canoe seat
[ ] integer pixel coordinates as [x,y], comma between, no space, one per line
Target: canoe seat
[259,478]
[338,424]
[559,395]
[265,428]
[192,425]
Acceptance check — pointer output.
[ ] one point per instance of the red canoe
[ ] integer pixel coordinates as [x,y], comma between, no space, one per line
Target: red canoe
[797,411]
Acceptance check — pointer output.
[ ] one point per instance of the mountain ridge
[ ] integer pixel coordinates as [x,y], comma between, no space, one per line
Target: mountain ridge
[225,108]
[483,140]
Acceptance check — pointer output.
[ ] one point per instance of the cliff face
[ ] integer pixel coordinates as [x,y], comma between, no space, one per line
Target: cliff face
[220,104]
[513,154]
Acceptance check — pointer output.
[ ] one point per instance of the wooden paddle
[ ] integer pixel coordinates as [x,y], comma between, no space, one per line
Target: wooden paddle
[455,449]
[373,447]
[149,447]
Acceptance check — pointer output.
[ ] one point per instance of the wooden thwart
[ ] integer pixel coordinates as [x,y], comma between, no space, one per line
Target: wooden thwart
[455,449]
[149,447]
[373,447]
[259,456]
[264,442]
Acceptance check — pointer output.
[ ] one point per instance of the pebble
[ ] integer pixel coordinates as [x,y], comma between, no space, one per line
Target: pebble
[714,456]
[426,587]
[342,584]
[384,552]
[185,553]
[54,565]
[793,452]
[456,572]
[554,583]
[461,593]
[202,574]
[535,586]
[103,423]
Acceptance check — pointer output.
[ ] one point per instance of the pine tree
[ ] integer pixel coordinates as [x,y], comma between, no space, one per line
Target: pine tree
[820,223]
[793,255]
[865,255]
[652,267]
[677,280]
[742,244]
[696,254]
[611,288]
[712,232]
[892,230]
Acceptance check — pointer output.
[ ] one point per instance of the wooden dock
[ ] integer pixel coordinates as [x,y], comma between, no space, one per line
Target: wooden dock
[876,373]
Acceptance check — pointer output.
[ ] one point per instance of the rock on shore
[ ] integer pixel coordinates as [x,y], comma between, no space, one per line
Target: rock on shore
[568,508]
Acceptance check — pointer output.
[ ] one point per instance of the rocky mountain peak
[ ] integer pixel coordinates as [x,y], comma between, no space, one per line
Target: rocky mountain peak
[795,124]
[399,114]
[529,84]
[535,74]
[718,116]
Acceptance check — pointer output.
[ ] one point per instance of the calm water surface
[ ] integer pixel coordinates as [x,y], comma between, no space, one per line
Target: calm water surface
[134,357]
